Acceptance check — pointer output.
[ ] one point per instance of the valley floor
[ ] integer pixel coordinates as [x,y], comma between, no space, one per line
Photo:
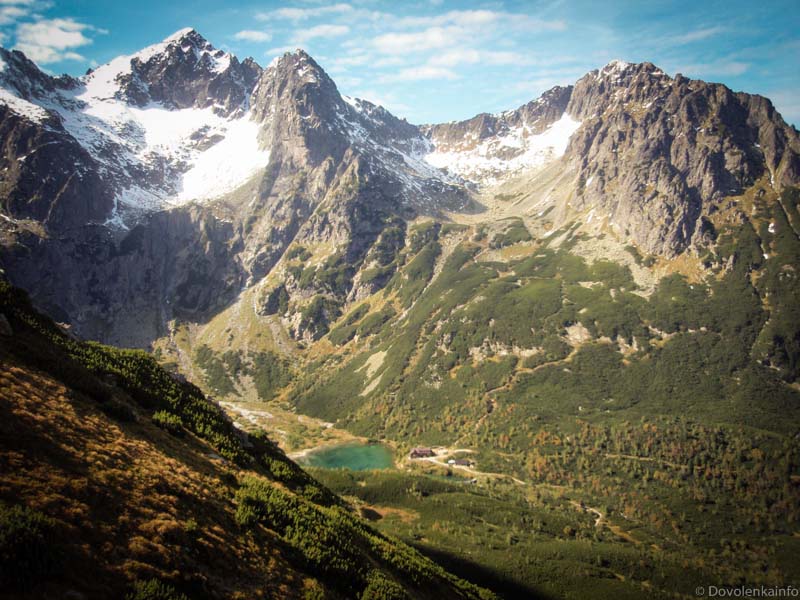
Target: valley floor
[629,421]
[567,531]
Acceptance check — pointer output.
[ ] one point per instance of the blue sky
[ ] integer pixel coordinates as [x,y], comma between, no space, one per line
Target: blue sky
[437,60]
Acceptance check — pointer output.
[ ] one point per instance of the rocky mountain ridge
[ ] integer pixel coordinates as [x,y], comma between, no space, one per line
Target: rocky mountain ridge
[488,148]
[191,176]
[137,125]
[318,168]
[665,153]
[655,155]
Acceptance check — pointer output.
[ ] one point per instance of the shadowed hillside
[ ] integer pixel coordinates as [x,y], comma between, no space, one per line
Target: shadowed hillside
[121,478]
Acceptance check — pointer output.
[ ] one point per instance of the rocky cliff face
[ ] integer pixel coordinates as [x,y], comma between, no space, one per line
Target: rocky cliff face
[161,185]
[343,171]
[536,116]
[128,138]
[335,173]
[186,71]
[653,155]
[307,121]
[488,149]
[658,155]
[45,174]
[175,265]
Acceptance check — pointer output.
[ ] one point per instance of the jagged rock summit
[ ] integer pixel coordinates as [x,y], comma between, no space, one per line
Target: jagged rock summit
[132,136]
[177,177]
[659,155]
[181,121]
[183,71]
[179,202]
[650,154]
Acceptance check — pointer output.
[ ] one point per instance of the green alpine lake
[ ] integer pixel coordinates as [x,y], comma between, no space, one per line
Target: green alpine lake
[356,457]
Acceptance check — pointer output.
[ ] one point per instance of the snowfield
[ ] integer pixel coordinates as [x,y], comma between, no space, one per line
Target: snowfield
[157,156]
[226,165]
[509,152]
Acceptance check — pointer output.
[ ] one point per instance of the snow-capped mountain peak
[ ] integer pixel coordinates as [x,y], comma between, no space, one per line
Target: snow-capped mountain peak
[182,121]
[489,148]
[164,125]
[172,72]
[615,66]
[182,33]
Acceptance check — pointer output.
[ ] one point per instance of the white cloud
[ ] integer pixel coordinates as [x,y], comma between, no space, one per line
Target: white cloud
[546,79]
[343,63]
[10,14]
[719,67]
[320,31]
[420,73]
[482,18]
[696,35]
[389,61]
[458,29]
[730,68]
[250,35]
[52,40]
[419,41]
[470,56]
[387,100]
[12,11]
[453,17]
[302,14]
[787,103]
[279,50]
[531,24]
[348,82]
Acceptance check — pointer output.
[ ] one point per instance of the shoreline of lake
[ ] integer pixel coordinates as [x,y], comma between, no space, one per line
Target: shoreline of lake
[356,456]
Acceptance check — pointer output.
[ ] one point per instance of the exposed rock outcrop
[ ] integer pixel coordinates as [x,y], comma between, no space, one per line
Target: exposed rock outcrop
[187,71]
[658,155]
[339,172]
[653,154]
[119,244]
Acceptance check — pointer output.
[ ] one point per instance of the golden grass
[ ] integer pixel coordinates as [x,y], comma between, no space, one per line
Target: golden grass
[130,501]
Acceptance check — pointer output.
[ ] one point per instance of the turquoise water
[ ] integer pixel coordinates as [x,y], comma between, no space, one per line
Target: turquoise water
[356,457]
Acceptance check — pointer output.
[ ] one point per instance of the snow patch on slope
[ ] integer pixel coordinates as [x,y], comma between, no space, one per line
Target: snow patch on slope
[397,152]
[615,69]
[23,107]
[226,165]
[513,151]
[207,155]
[208,149]
[155,156]
[178,35]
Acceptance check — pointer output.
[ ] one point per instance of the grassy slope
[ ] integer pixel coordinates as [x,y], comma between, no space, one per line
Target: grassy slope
[675,416]
[668,405]
[96,497]
[698,349]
